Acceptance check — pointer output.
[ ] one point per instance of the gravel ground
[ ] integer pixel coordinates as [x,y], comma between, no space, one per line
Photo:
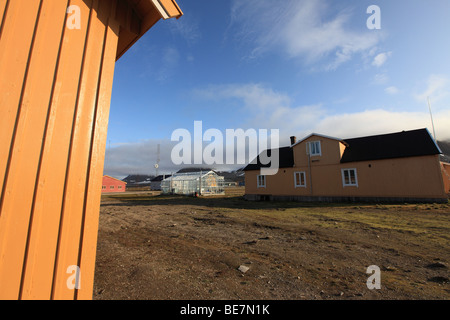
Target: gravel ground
[171,248]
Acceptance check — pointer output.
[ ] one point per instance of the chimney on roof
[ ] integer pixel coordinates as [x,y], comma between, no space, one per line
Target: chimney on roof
[293,140]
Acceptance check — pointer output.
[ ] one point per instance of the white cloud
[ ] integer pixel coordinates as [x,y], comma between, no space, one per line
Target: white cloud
[169,63]
[381,58]
[381,121]
[437,89]
[266,108]
[136,158]
[391,90]
[300,29]
[187,28]
[380,78]
[140,157]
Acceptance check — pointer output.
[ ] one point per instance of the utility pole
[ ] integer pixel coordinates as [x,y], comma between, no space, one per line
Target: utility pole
[158,154]
[200,183]
[431,115]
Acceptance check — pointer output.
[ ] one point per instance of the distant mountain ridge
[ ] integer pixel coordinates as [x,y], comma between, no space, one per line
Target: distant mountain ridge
[445,148]
[136,178]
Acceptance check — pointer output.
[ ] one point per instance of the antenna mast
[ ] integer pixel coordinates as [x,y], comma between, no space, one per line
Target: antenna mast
[158,159]
[431,115]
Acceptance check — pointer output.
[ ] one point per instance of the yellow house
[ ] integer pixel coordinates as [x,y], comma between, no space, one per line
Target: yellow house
[401,166]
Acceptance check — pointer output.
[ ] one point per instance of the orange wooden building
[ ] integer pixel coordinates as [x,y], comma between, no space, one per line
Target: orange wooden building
[113,185]
[57,61]
[399,167]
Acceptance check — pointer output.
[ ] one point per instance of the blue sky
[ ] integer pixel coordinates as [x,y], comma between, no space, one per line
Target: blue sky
[306,66]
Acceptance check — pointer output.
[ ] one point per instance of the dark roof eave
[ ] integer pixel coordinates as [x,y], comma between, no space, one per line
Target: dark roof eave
[384,158]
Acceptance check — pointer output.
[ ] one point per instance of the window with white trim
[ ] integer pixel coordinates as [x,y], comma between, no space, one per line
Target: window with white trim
[314,148]
[349,178]
[261,181]
[300,179]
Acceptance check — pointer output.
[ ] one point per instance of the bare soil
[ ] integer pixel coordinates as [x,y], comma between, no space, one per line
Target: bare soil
[154,247]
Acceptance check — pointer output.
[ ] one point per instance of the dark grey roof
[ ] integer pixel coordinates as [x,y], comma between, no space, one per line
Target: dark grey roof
[161,178]
[231,176]
[137,178]
[286,159]
[193,169]
[388,146]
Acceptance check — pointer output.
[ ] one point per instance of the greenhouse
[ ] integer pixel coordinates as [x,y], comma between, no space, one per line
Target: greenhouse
[188,183]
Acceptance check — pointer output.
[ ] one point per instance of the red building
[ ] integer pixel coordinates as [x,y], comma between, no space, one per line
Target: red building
[111,184]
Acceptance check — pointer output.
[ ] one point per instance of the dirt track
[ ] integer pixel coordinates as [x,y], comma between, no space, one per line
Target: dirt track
[166,248]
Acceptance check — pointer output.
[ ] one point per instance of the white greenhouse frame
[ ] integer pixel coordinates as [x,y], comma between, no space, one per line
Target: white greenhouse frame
[189,184]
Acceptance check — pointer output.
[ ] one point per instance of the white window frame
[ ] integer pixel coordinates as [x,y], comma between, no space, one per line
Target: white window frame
[304,179]
[343,177]
[309,151]
[259,179]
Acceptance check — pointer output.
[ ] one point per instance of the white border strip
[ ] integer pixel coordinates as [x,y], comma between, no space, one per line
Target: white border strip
[161,9]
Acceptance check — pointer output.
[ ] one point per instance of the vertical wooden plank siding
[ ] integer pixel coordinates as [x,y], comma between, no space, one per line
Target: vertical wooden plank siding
[3,10]
[30,128]
[38,271]
[75,182]
[15,53]
[55,92]
[88,244]
[55,86]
